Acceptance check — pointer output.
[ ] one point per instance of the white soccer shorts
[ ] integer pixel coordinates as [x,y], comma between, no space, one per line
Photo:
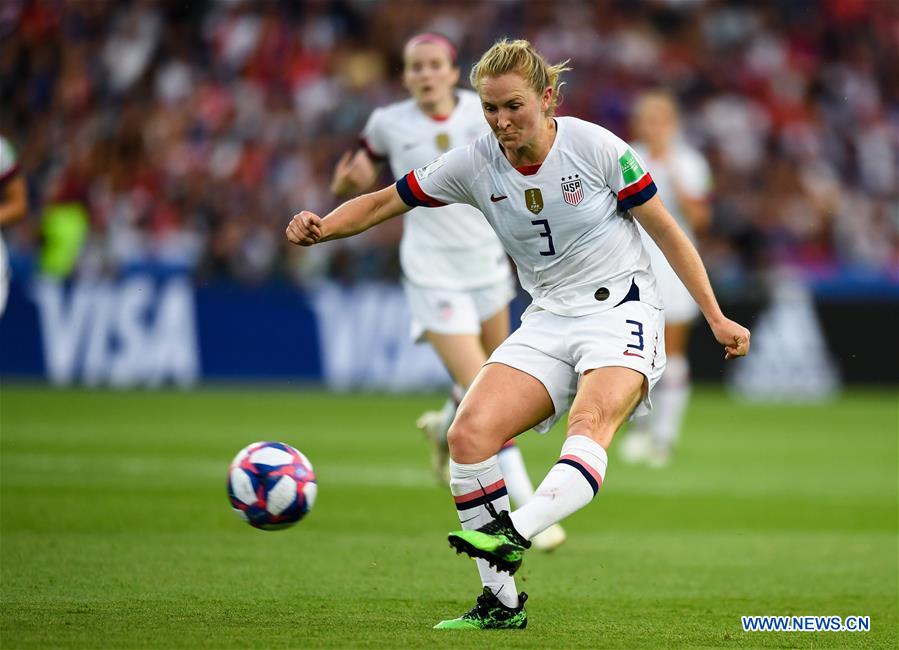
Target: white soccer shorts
[558,350]
[446,311]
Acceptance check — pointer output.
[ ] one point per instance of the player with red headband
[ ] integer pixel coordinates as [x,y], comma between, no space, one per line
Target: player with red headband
[457,277]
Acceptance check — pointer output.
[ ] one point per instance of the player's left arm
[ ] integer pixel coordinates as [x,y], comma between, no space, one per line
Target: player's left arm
[685,260]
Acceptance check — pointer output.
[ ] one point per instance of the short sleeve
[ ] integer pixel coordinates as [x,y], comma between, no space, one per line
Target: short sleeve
[441,182]
[9,164]
[625,173]
[373,138]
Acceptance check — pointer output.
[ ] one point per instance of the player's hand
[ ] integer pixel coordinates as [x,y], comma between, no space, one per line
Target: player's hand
[305,229]
[733,336]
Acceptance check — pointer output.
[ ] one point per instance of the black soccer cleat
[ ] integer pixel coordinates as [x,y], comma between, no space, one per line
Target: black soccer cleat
[489,614]
[497,542]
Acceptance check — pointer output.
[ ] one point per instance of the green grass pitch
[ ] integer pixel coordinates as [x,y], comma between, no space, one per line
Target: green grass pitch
[117,532]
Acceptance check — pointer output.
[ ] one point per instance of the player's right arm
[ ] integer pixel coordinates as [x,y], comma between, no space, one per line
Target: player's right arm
[348,219]
[442,181]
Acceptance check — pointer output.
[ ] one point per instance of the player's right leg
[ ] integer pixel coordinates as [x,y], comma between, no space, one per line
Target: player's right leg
[464,355]
[501,403]
[495,330]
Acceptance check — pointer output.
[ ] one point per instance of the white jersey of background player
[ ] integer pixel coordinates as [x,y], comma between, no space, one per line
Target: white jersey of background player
[684,181]
[13,205]
[457,277]
[562,195]
[458,251]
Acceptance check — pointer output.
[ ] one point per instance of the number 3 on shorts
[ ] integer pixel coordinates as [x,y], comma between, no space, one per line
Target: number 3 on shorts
[638,332]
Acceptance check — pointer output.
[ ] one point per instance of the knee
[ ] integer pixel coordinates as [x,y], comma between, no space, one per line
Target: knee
[467,438]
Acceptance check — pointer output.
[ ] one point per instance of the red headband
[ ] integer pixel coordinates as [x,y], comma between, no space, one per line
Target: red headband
[432,37]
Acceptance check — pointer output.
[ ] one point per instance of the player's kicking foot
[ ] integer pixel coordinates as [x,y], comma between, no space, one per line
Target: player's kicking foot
[431,423]
[489,614]
[496,542]
[550,539]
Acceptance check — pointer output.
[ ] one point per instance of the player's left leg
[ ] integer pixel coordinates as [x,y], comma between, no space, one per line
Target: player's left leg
[606,397]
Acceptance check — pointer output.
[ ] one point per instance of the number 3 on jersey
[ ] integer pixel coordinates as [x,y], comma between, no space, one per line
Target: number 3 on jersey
[546,233]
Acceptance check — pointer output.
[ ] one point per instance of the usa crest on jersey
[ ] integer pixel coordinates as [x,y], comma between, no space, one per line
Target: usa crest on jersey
[572,190]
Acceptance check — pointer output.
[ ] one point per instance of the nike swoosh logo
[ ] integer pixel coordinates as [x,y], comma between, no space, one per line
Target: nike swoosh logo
[497,198]
[628,353]
[469,519]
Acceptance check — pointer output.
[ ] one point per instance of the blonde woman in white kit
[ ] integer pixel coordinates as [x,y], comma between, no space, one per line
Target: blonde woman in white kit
[564,196]
[457,277]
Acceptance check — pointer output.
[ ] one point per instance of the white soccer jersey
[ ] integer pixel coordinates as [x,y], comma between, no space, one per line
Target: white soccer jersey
[565,224]
[686,171]
[455,249]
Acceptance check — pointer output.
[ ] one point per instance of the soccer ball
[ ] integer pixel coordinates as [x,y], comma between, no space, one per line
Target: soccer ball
[271,485]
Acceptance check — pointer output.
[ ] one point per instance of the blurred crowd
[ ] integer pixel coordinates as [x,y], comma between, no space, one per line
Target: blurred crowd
[188,133]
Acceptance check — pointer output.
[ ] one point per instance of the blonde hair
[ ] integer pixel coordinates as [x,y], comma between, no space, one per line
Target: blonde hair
[520,57]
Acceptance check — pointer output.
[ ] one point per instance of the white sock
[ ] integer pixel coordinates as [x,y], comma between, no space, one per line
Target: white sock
[518,483]
[669,403]
[469,483]
[570,485]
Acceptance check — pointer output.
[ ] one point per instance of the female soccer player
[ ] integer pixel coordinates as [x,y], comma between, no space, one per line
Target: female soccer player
[684,181]
[457,277]
[562,194]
